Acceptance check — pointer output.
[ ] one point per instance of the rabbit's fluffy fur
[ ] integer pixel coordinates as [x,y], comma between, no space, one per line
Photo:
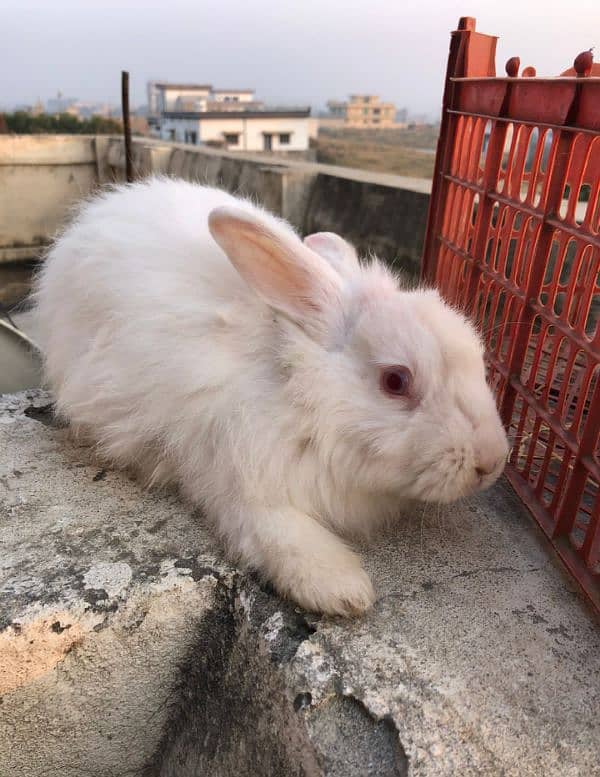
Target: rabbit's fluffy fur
[196,338]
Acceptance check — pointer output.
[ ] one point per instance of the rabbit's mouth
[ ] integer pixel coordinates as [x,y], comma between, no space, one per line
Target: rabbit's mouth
[487,479]
[443,485]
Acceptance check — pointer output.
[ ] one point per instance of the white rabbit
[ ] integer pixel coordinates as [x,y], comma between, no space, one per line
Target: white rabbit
[287,389]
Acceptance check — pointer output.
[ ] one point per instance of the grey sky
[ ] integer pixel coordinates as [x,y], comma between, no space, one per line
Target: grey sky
[293,52]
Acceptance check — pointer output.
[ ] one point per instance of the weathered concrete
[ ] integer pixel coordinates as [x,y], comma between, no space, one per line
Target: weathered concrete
[41,177]
[129,647]
[20,359]
[388,221]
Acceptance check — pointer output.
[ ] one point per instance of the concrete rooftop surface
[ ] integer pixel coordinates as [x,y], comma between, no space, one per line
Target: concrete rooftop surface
[128,646]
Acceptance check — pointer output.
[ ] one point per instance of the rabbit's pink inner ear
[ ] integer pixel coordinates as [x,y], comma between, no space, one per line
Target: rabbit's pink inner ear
[277,266]
[333,248]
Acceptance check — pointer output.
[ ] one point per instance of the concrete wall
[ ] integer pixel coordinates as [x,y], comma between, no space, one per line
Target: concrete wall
[42,176]
[388,221]
[381,214]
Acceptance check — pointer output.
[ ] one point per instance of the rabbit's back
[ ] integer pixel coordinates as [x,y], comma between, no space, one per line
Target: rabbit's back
[140,315]
[139,251]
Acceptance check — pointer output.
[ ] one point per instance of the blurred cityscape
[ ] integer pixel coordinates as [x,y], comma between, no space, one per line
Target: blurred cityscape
[362,131]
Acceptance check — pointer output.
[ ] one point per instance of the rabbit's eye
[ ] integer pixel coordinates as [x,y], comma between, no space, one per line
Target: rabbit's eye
[396,381]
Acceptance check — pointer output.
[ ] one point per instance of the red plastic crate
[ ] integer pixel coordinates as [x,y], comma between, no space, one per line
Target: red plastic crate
[513,239]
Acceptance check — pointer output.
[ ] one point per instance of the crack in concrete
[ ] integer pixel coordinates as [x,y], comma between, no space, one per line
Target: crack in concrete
[233,712]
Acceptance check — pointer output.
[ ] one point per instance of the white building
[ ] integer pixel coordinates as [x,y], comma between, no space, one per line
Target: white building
[166,97]
[233,96]
[226,118]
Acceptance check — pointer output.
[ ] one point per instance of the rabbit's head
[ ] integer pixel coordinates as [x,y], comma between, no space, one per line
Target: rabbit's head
[393,381]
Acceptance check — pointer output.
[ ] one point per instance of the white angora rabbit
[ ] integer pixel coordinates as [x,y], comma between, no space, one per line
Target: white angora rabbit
[288,390]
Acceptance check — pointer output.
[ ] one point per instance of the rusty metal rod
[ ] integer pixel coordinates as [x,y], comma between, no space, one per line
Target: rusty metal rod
[126,125]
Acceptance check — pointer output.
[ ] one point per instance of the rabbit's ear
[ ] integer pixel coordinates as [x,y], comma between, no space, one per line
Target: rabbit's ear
[277,265]
[333,248]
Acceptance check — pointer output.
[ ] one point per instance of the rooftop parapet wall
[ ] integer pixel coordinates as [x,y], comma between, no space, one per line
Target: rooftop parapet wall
[128,646]
[42,176]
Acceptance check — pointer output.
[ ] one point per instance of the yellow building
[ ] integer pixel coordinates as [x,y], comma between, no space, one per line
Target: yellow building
[364,110]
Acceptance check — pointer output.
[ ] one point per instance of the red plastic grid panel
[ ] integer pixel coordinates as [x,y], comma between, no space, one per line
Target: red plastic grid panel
[514,239]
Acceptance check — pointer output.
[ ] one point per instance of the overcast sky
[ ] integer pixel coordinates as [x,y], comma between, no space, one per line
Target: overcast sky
[300,51]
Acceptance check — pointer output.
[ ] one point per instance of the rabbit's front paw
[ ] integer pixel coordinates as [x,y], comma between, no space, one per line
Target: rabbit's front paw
[340,590]
[306,562]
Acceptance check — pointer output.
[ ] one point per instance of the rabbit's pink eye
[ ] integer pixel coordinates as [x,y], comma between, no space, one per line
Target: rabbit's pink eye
[396,381]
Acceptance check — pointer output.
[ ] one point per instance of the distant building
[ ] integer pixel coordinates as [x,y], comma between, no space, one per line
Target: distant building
[233,96]
[337,109]
[85,110]
[402,116]
[227,118]
[363,110]
[59,104]
[82,109]
[163,97]
[37,109]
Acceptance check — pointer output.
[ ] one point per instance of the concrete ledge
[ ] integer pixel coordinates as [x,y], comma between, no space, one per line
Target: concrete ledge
[128,646]
[23,150]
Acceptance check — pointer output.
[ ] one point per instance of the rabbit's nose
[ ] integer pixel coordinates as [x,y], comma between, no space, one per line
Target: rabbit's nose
[483,471]
[491,451]
[490,462]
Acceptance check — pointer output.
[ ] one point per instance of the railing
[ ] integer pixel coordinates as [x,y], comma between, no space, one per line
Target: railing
[513,238]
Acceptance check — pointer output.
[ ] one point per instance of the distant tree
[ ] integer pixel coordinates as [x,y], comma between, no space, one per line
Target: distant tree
[3,125]
[100,125]
[23,123]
